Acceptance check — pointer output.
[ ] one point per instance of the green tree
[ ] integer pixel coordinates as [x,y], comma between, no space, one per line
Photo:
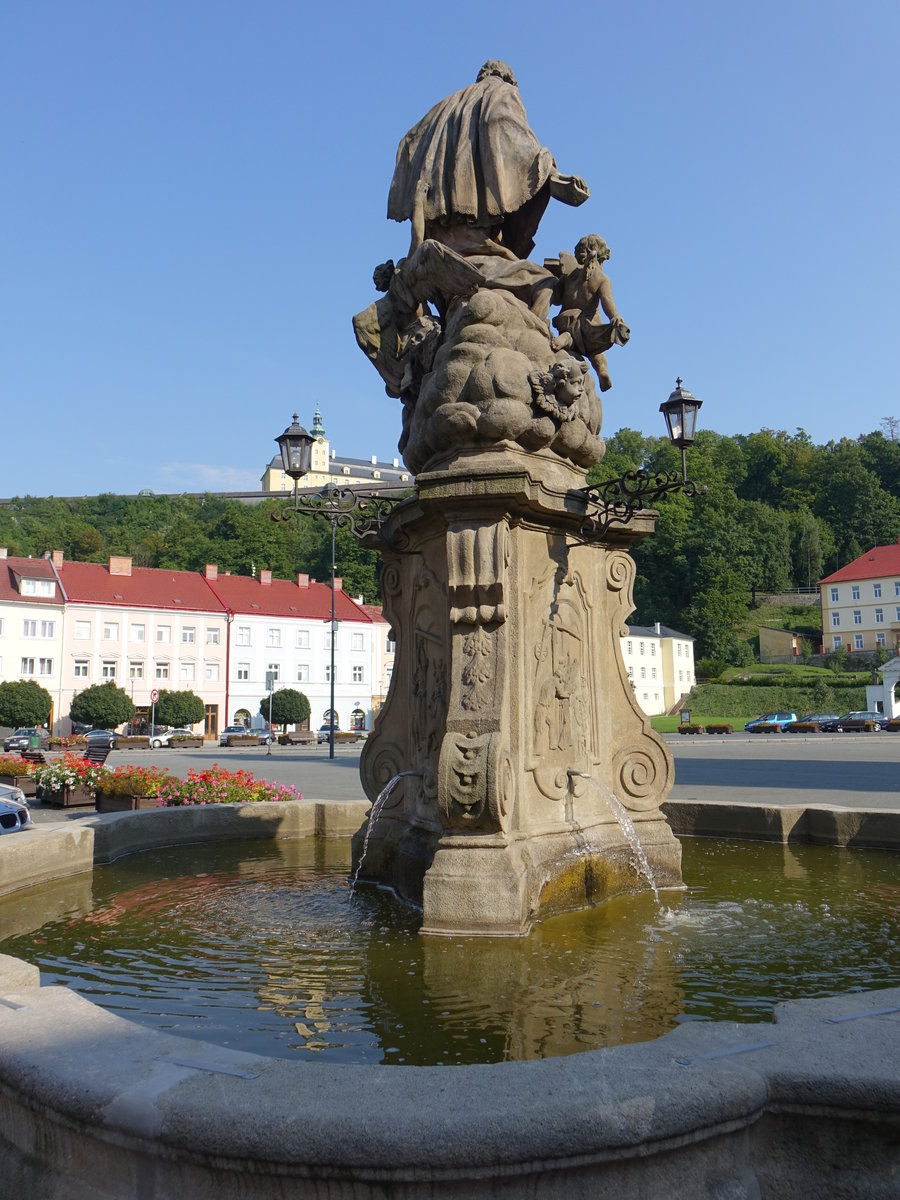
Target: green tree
[289,707]
[24,702]
[179,708]
[104,706]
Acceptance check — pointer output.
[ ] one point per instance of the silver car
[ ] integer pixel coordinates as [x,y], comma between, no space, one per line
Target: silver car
[14,813]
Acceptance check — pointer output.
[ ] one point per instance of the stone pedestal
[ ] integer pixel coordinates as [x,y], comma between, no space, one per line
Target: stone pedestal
[510,703]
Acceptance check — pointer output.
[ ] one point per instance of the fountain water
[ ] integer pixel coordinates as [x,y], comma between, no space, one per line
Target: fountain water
[380,801]
[627,826]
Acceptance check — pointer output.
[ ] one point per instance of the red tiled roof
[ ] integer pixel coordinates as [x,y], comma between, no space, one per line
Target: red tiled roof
[876,563]
[374,612]
[26,568]
[145,587]
[284,598]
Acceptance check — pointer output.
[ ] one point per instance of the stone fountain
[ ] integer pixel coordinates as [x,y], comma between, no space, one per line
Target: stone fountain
[509,713]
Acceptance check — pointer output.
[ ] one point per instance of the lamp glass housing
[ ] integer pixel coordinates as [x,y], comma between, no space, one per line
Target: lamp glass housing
[295,445]
[680,412]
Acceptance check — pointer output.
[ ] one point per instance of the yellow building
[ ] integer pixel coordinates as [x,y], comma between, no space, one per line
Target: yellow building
[326,467]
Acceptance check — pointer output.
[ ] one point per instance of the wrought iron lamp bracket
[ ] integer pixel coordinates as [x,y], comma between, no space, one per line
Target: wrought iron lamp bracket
[616,501]
[363,513]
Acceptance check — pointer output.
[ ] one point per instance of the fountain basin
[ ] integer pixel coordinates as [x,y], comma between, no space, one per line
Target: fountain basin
[94,1106]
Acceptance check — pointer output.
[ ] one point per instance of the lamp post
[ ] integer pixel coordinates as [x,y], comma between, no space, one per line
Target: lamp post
[362,514]
[616,501]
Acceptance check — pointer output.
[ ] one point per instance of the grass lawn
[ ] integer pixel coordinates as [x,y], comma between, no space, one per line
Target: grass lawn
[670,724]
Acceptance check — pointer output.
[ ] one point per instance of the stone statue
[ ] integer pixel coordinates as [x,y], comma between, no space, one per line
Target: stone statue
[462,333]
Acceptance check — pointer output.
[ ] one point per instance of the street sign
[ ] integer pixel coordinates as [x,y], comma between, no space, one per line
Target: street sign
[154,696]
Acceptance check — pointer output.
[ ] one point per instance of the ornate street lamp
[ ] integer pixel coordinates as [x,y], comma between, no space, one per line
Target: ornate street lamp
[359,512]
[617,500]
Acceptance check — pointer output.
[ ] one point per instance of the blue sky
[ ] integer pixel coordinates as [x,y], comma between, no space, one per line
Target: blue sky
[194,196]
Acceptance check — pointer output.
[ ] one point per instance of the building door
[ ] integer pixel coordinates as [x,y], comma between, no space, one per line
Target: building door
[211,721]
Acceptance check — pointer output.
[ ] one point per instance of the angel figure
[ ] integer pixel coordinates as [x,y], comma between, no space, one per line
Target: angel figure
[583,289]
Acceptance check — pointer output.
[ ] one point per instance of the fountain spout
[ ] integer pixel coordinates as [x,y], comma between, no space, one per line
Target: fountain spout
[625,823]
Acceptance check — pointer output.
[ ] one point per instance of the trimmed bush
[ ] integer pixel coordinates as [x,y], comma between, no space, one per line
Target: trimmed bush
[685,728]
[767,728]
[720,728]
[801,727]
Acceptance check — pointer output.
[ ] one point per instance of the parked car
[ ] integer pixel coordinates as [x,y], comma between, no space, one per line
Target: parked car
[263,736]
[855,721]
[819,719]
[162,737]
[101,737]
[21,738]
[324,734]
[775,718]
[14,813]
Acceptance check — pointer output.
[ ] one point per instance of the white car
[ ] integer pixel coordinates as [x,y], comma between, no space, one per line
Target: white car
[14,814]
[163,738]
[265,736]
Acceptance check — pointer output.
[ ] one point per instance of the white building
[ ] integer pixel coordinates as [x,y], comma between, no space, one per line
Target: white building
[31,624]
[659,663]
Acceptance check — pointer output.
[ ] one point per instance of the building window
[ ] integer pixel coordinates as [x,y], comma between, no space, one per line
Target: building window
[45,666]
[358,675]
[388,673]
[274,669]
[243,670]
[643,672]
[631,672]
[164,633]
[38,587]
[108,669]
[879,639]
[211,672]
[897,611]
[653,649]
[390,645]
[356,641]
[303,672]
[243,635]
[653,672]
[188,635]
[854,591]
[835,620]
[212,637]
[162,670]
[629,646]
[876,590]
[29,629]
[857,641]
[836,641]
[879,616]
[681,676]
[641,647]
[328,672]
[302,639]
[834,595]
[136,668]
[186,672]
[81,668]
[857,616]
[137,633]
[110,631]
[678,645]
[273,637]
[82,631]
[897,587]
[27,666]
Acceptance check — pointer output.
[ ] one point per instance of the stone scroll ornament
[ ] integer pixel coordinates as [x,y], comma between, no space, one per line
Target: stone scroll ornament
[462,332]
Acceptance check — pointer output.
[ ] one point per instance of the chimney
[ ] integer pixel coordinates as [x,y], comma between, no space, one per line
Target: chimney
[658,629]
[119,564]
[303,580]
[396,462]
[57,558]
[374,460]
[265,578]
[2,552]
[211,571]
[338,583]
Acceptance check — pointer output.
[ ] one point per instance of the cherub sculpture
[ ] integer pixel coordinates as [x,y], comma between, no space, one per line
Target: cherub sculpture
[583,289]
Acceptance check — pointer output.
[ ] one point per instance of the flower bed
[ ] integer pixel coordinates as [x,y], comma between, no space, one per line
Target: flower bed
[767,728]
[685,728]
[128,788]
[17,772]
[724,728]
[71,771]
[218,786]
[802,727]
